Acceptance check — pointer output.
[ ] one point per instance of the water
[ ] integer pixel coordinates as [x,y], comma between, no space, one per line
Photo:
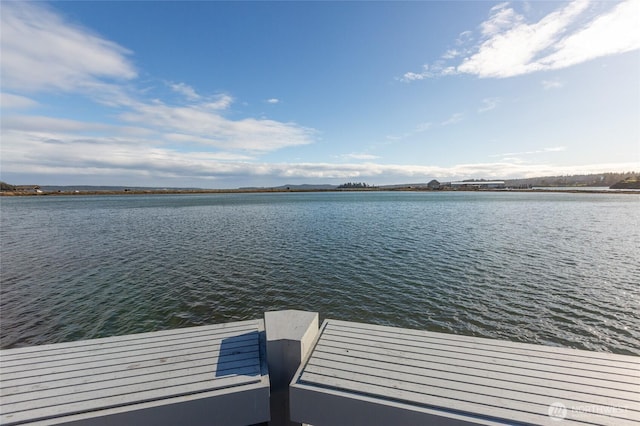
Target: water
[548,268]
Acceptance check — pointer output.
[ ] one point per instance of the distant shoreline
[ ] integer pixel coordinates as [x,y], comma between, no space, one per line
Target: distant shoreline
[296,190]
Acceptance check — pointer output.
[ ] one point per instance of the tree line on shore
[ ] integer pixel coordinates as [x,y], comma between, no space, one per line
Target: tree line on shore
[598,179]
[354,185]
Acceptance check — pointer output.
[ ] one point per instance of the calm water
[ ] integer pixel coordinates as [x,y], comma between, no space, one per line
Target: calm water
[559,269]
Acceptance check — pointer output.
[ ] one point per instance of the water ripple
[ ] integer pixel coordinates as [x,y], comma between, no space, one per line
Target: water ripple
[538,268]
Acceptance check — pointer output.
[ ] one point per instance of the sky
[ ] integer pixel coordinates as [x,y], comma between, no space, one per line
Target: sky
[233,94]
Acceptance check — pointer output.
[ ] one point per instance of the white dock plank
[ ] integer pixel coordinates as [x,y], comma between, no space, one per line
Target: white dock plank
[68,379]
[132,366]
[129,339]
[532,363]
[453,358]
[496,383]
[113,348]
[420,346]
[410,334]
[101,402]
[116,381]
[131,360]
[380,381]
[479,378]
[475,368]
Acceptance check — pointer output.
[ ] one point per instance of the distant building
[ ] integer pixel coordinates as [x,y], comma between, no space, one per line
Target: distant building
[487,184]
[434,184]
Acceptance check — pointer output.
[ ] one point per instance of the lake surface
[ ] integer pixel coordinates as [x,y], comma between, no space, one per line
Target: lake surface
[548,268]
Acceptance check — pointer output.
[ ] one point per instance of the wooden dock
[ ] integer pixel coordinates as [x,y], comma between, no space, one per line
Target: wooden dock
[191,376]
[343,373]
[360,374]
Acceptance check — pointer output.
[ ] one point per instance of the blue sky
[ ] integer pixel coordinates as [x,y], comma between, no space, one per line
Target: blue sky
[232,94]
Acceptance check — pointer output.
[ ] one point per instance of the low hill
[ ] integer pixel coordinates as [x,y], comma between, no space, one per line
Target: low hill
[632,182]
[6,187]
[599,179]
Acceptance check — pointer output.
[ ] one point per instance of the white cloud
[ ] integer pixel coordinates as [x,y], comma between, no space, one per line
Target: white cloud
[118,159]
[176,125]
[510,46]
[502,18]
[464,38]
[488,104]
[455,118]
[451,53]
[185,90]
[11,101]
[42,51]
[608,34]
[34,123]
[423,127]
[60,153]
[219,102]
[552,84]
[73,129]
[273,101]
[359,156]
[412,76]
[420,127]
[200,123]
[555,149]
[537,151]
[513,47]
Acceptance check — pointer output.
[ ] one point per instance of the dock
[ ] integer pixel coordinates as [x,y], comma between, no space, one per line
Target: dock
[385,375]
[197,375]
[288,368]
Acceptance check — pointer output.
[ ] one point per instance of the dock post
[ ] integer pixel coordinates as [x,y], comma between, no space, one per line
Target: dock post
[289,336]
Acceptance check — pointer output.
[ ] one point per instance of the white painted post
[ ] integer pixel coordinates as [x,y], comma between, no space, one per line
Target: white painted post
[290,335]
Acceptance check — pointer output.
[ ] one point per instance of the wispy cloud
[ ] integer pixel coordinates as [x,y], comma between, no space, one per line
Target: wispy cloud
[185,90]
[419,128]
[464,38]
[537,151]
[552,84]
[413,76]
[509,45]
[11,101]
[359,156]
[35,123]
[64,147]
[607,34]
[43,51]
[218,102]
[59,153]
[488,104]
[429,71]
[501,19]
[455,118]
[198,122]
[451,53]
[273,101]
[134,159]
